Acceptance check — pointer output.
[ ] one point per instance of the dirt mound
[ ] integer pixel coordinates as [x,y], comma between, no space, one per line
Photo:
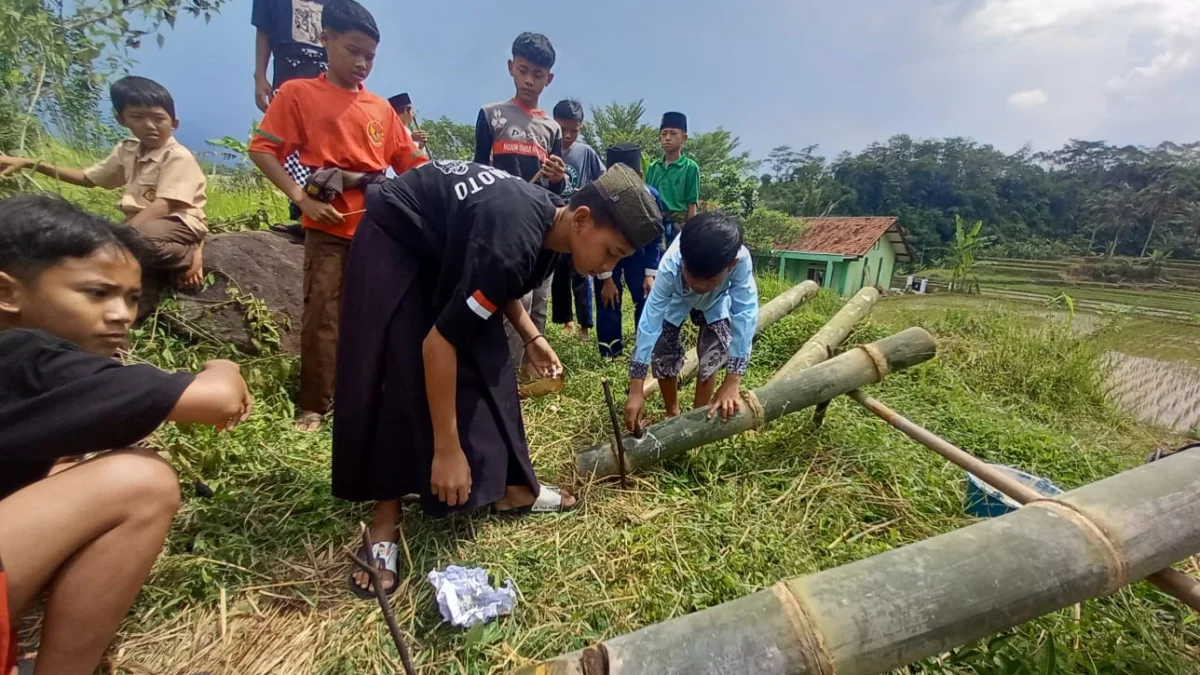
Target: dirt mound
[257,294]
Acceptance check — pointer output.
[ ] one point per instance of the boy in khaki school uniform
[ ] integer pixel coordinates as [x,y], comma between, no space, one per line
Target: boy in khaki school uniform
[164,186]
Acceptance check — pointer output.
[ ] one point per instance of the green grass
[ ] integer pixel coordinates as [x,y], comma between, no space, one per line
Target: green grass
[726,520]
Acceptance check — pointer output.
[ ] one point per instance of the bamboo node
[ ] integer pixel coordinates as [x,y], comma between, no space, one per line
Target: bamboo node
[809,640]
[1118,567]
[882,369]
[757,414]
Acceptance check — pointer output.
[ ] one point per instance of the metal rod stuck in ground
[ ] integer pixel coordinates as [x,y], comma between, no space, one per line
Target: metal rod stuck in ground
[616,427]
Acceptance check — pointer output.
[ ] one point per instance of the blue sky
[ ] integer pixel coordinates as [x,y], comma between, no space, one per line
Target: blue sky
[840,75]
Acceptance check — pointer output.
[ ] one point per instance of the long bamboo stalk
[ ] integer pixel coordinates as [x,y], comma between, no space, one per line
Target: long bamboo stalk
[833,333]
[880,613]
[780,306]
[780,396]
[1173,583]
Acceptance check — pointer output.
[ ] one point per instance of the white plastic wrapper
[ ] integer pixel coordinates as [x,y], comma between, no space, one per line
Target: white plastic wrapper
[465,597]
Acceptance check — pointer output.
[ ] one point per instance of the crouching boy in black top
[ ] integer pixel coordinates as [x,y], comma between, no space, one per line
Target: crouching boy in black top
[82,535]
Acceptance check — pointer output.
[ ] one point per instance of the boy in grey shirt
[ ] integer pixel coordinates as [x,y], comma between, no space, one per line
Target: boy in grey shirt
[583,167]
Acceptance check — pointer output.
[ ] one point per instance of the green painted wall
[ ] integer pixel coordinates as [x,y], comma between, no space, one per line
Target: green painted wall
[846,277]
[876,267]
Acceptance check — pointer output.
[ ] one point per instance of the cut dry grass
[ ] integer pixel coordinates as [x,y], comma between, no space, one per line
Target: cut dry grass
[726,520]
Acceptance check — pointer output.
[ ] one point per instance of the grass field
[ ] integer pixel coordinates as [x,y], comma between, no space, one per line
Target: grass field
[253,581]
[729,519]
[1049,279]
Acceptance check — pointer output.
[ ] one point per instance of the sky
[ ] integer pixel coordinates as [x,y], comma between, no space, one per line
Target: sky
[773,72]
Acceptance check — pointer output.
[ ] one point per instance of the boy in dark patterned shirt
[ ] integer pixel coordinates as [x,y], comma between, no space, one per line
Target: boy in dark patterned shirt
[520,138]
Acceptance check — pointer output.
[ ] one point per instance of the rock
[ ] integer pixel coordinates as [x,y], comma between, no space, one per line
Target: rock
[262,265]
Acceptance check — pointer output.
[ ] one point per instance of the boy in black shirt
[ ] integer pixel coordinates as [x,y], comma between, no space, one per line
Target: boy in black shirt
[87,534]
[287,32]
[427,401]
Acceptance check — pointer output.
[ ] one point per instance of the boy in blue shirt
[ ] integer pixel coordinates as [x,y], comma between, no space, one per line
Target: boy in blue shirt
[637,270]
[706,273]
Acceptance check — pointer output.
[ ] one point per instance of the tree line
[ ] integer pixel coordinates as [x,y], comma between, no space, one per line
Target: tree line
[1088,197]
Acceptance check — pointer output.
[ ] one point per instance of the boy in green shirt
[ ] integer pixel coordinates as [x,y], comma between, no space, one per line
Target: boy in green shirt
[676,176]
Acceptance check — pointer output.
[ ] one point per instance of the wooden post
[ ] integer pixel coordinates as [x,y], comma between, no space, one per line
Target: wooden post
[832,334]
[780,306]
[881,613]
[1176,584]
[840,375]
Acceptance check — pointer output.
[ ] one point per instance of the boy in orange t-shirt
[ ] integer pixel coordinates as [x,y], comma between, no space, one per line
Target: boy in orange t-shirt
[334,123]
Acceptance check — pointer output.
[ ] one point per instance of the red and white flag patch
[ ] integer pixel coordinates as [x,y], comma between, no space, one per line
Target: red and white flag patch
[479,304]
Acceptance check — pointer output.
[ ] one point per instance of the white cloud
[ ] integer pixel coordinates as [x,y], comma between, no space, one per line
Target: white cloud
[1017,17]
[1162,67]
[1118,68]
[1027,100]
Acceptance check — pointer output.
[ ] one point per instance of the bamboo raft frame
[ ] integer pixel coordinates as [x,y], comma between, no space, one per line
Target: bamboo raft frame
[877,614]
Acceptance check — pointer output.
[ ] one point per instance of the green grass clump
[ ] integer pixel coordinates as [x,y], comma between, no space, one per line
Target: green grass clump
[726,520]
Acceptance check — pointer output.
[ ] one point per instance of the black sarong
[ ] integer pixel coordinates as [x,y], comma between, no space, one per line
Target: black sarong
[382,432]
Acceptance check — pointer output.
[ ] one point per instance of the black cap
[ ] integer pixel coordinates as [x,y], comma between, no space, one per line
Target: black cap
[629,154]
[674,120]
[400,101]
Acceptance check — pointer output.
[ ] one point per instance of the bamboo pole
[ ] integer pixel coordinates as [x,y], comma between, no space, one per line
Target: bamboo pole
[913,602]
[783,304]
[1173,583]
[819,346]
[840,375]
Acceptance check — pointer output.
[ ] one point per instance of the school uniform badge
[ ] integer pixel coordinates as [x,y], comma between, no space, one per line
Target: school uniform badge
[375,133]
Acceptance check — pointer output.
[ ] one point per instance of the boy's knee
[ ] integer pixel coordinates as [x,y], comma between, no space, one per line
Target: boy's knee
[142,477]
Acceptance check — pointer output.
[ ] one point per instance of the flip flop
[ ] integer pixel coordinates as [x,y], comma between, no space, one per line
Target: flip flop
[386,555]
[549,500]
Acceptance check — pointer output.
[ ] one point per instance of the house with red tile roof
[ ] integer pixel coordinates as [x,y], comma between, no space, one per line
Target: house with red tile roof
[844,253]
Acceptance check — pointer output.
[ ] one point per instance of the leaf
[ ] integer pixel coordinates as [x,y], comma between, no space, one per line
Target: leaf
[475,635]
[1048,665]
[160,39]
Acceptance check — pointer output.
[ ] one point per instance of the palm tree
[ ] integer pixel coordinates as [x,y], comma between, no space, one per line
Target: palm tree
[1113,211]
[1160,203]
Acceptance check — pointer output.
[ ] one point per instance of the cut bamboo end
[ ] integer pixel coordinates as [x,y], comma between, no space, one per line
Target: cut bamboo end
[833,333]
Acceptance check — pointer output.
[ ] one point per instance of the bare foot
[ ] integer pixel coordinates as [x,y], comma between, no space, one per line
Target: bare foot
[585,335]
[568,327]
[194,275]
[308,421]
[673,412]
